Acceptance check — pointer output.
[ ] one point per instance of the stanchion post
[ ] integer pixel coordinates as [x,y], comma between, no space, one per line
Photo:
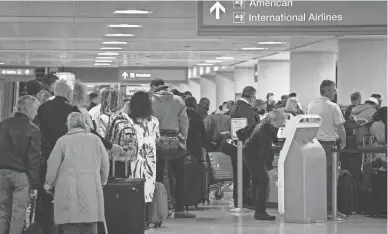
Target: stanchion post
[239,175]
[334,185]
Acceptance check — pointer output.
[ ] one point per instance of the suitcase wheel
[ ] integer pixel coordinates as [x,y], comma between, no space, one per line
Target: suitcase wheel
[158,224]
[219,194]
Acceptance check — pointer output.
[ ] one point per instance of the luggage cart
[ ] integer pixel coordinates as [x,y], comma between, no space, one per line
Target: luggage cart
[220,174]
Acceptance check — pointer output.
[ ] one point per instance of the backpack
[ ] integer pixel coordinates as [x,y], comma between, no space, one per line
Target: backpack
[122,132]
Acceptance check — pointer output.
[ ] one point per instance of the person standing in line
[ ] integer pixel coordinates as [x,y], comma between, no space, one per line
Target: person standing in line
[20,161]
[52,117]
[243,109]
[355,98]
[331,130]
[94,100]
[146,127]
[203,107]
[78,167]
[379,99]
[170,110]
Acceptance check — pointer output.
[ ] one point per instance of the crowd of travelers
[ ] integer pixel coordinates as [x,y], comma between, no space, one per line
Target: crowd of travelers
[60,137]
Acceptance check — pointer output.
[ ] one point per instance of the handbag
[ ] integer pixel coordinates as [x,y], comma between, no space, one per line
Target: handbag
[171,145]
[229,147]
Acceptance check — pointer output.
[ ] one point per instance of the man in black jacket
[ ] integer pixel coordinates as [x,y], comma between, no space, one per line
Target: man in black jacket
[52,117]
[20,159]
[243,109]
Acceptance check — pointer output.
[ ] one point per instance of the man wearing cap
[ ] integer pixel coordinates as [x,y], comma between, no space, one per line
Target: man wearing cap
[243,109]
[170,110]
[367,110]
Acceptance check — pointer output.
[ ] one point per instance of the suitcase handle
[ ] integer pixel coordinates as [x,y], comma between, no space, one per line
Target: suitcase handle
[126,174]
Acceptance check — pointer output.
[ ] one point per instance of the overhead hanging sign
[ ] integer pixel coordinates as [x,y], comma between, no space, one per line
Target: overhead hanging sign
[147,74]
[17,73]
[258,17]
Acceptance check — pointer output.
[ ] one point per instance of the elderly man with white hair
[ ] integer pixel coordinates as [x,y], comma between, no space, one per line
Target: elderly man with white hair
[20,160]
[52,121]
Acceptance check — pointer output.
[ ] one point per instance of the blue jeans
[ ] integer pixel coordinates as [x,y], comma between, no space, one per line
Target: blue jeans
[14,192]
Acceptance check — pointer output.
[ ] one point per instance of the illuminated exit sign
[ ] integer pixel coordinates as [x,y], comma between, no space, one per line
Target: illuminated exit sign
[17,74]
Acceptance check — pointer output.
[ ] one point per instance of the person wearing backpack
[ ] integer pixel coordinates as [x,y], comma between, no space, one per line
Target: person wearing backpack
[378,129]
[170,110]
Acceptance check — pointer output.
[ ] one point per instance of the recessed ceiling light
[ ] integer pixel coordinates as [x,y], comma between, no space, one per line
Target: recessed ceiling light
[115,43]
[119,35]
[132,12]
[253,48]
[204,64]
[225,58]
[111,48]
[125,26]
[105,58]
[103,61]
[213,61]
[108,54]
[270,43]
[101,64]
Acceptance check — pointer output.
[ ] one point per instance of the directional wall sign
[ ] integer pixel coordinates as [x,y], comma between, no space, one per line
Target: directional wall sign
[17,73]
[148,74]
[258,17]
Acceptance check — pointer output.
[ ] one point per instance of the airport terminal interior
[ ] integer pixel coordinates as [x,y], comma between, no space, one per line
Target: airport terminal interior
[283,50]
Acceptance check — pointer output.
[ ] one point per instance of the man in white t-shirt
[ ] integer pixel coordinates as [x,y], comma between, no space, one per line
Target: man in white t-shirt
[331,129]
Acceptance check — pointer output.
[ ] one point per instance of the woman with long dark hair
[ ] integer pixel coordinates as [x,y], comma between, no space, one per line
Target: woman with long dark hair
[146,127]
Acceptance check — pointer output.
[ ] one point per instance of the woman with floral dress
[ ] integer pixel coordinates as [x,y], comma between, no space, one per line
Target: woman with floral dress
[147,133]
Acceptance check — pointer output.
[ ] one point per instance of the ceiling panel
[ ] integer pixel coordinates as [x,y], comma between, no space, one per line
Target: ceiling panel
[70,33]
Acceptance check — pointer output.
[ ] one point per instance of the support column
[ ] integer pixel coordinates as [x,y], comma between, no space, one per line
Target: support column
[243,76]
[224,87]
[195,88]
[362,66]
[274,77]
[308,70]
[208,90]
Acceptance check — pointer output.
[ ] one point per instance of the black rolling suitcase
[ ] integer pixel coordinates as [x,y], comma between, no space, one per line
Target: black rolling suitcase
[193,189]
[379,192]
[124,205]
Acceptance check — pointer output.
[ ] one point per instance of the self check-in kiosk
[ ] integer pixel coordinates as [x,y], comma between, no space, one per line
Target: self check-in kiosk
[302,172]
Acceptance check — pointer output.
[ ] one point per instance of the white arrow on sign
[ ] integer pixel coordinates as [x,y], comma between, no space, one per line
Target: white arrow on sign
[125,75]
[27,72]
[217,7]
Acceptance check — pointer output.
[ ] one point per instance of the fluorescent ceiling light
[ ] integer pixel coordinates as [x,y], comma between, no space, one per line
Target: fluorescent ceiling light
[119,35]
[270,43]
[204,64]
[111,48]
[103,61]
[108,54]
[1,63]
[213,61]
[132,12]
[225,58]
[115,43]
[105,58]
[125,26]
[253,48]
[101,64]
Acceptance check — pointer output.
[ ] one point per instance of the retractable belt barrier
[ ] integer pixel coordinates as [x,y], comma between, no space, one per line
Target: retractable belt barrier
[336,150]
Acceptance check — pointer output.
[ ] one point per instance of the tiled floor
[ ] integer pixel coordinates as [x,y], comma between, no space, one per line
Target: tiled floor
[215,218]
